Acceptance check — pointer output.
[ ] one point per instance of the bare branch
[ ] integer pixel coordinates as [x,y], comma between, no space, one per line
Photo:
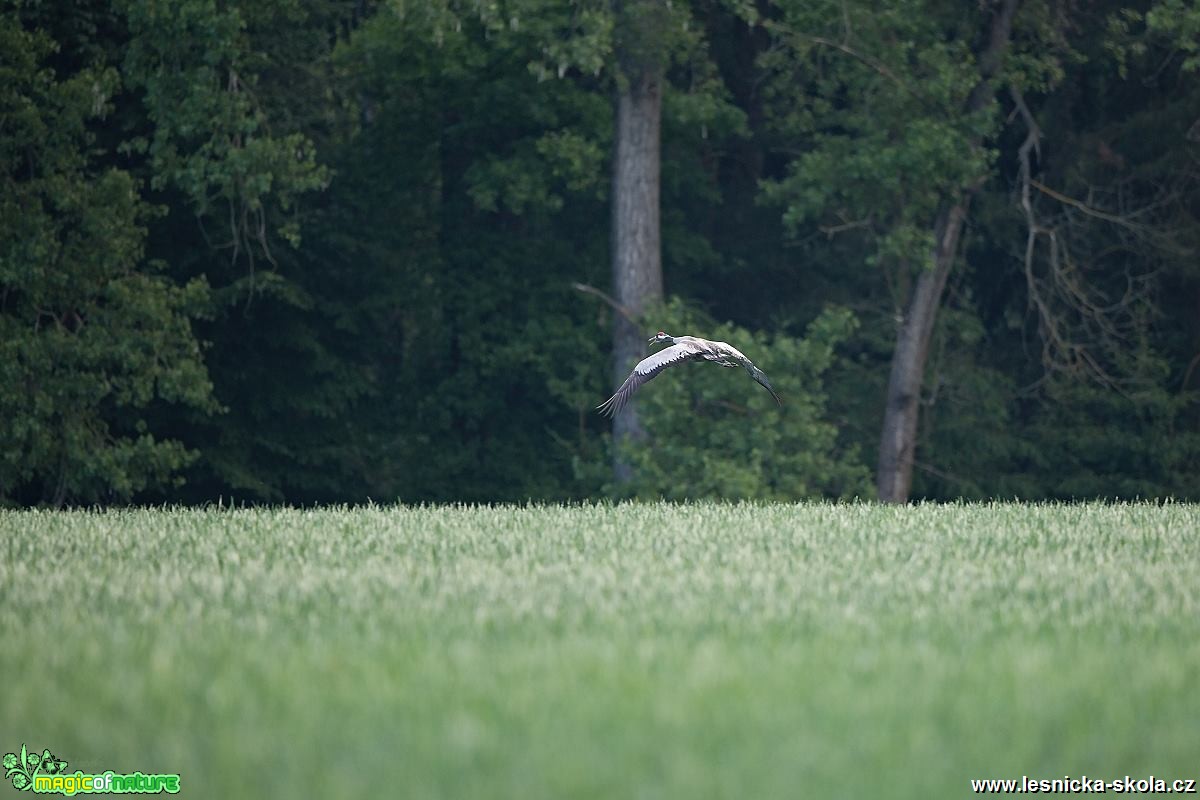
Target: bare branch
[832,230]
[1082,206]
[1082,326]
[620,309]
[1187,375]
[871,62]
[1033,138]
[858,55]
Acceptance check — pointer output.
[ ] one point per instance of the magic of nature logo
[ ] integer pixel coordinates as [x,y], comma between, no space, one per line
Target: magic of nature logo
[47,774]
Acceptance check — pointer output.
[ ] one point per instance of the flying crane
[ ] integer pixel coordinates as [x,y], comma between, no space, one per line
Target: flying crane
[683,348]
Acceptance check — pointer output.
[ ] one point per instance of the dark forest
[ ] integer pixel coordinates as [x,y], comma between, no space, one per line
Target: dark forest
[310,251]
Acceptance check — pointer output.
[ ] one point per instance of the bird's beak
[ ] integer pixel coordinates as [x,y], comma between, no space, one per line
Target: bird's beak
[652,340]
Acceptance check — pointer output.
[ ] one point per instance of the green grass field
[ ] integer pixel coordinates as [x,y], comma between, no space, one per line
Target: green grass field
[633,651]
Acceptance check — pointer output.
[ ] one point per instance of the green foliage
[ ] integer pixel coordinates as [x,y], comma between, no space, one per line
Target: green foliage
[443,282]
[362,222]
[235,100]
[715,433]
[92,337]
[890,157]
[198,65]
[1177,22]
[876,101]
[1086,393]
[1094,442]
[534,177]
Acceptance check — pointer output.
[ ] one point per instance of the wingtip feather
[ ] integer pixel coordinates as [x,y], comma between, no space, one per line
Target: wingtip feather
[605,409]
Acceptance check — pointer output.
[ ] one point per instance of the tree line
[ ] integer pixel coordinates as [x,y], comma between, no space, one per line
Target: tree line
[330,250]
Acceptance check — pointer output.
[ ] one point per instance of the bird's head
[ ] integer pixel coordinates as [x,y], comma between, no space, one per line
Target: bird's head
[661,338]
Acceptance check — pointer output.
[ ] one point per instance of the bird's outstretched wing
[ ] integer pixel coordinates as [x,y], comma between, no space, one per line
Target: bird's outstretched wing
[646,369]
[761,377]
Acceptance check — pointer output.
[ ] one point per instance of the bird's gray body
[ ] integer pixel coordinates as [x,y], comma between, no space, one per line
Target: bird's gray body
[682,349]
[722,353]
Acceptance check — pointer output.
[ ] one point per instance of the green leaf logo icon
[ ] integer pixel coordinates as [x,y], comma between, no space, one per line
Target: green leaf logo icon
[22,769]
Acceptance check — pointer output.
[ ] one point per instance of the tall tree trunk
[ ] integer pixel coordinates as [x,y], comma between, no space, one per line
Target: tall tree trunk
[898,444]
[636,241]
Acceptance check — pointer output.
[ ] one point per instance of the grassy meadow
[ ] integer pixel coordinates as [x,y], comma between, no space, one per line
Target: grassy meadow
[634,651]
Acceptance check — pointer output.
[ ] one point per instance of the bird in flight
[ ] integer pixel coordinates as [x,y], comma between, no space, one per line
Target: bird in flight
[683,348]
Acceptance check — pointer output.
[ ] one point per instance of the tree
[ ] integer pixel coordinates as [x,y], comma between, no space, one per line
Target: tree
[898,442]
[233,98]
[461,208]
[901,114]
[640,37]
[364,221]
[93,337]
